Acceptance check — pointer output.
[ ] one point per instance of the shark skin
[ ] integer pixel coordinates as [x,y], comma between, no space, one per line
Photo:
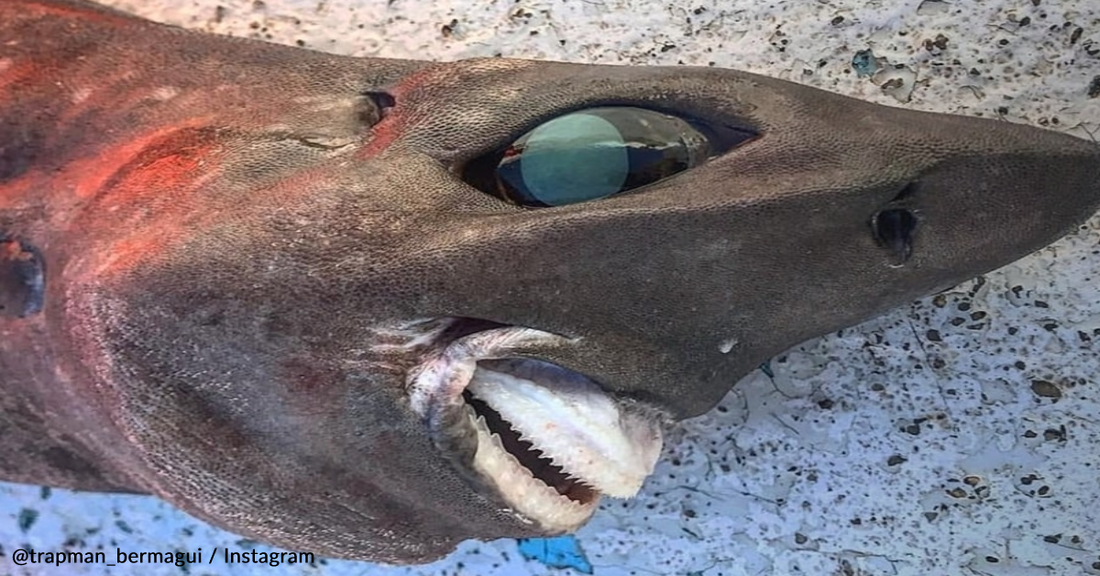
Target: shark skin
[229,270]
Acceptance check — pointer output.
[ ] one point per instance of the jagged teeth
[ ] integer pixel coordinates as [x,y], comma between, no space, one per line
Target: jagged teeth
[528,495]
[577,427]
[498,443]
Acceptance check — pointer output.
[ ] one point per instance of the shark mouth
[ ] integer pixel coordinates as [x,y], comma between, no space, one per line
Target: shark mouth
[545,440]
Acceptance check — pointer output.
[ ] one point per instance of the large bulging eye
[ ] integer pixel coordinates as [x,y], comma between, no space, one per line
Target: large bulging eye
[589,154]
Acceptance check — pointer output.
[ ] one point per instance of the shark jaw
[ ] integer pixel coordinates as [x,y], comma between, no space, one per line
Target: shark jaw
[545,440]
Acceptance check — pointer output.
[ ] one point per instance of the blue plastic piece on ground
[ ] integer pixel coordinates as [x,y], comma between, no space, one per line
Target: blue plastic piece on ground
[560,552]
[864,63]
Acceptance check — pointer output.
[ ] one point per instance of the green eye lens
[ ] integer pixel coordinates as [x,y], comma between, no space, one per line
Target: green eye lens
[571,159]
[590,154]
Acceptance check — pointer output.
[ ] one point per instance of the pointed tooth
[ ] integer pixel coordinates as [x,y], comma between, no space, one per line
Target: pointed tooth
[499,445]
[527,495]
[579,428]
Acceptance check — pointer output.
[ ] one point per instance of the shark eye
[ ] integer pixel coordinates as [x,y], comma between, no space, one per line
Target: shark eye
[590,154]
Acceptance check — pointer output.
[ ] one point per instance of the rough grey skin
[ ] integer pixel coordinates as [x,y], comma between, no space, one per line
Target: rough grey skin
[205,244]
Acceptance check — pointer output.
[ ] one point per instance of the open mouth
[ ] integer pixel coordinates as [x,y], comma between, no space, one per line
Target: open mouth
[546,440]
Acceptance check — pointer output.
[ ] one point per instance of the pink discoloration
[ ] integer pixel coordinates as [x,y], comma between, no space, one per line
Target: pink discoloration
[13,74]
[88,12]
[143,166]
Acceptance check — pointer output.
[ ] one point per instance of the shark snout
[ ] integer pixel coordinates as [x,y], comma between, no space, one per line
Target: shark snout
[1019,189]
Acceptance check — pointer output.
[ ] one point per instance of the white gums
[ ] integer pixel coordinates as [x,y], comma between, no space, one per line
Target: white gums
[526,494]
[565,417]
[576,426]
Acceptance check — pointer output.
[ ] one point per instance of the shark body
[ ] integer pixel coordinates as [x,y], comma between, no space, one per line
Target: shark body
[302,297]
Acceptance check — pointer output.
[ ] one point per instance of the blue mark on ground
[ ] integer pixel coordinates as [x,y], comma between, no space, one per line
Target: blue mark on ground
[560,552]
[864,63]
[766,368]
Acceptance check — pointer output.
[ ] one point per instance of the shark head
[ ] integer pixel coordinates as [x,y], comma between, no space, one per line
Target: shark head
[373,308]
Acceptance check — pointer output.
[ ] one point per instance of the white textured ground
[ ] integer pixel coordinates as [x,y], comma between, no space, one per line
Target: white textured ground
[960,435]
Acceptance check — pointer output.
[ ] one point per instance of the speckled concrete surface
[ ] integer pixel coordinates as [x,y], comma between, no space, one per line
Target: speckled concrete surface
[959,435]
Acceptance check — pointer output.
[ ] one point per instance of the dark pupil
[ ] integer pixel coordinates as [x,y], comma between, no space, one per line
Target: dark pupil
[596,153]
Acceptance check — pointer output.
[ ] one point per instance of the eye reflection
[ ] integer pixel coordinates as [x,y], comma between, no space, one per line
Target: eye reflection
[590,154]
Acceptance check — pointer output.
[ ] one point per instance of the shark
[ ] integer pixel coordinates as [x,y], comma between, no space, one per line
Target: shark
[372,308]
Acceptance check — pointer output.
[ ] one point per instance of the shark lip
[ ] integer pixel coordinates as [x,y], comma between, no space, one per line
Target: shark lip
[546,440]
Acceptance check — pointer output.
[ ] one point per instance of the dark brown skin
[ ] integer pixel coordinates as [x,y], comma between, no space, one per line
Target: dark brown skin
[219,223]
